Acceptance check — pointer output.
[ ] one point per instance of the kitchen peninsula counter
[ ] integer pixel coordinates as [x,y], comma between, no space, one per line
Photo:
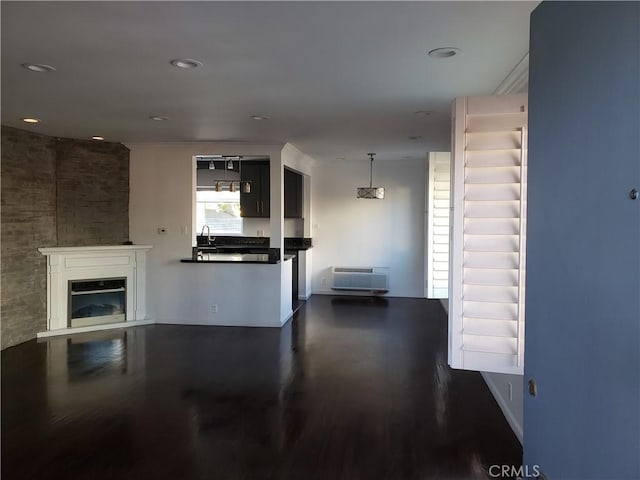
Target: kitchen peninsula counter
[259,258]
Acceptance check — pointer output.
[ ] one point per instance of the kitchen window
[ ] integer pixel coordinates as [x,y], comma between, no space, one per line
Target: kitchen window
[219,210]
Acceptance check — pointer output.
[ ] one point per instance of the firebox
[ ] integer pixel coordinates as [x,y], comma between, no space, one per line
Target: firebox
[97,301]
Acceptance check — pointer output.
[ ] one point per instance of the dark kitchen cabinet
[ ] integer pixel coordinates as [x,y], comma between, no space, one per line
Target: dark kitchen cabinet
[293,194]
[256,203]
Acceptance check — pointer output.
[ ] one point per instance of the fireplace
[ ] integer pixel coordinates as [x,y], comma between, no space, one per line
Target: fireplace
[95,288]
[97,301]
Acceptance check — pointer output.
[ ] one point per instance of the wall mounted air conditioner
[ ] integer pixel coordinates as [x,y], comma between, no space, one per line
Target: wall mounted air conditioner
[374,279]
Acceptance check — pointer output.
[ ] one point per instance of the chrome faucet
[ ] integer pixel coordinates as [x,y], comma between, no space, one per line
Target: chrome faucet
[209,238]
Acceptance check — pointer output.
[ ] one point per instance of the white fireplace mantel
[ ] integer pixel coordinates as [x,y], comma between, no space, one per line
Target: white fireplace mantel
[65,264]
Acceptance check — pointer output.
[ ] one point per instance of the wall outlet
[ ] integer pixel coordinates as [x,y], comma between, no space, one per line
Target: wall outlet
[323,281]
[162,230]
[214,308]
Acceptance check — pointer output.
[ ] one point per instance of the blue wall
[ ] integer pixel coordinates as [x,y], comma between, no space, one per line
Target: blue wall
[583,237]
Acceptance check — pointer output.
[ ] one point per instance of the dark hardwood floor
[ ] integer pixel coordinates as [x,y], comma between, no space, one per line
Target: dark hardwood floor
[353,388]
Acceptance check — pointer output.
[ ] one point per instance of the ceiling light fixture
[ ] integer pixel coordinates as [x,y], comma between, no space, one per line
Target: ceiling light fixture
[38,67]
[185,63]
[444,52]
[158,118]
[230,165]
[370,192]
[97,138]
[31,120]
[259,117]
[212,165]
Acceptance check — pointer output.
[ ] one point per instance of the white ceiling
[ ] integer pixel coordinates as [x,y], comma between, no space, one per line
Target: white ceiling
[337,79]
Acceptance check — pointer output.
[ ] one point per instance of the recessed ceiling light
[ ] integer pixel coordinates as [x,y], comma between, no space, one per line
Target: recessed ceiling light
[31,120]
[415,137]
[185,63]
[158,118]
[339,158]
[423,113]
[259,117]
[444,52]
[38,67]
[97,138]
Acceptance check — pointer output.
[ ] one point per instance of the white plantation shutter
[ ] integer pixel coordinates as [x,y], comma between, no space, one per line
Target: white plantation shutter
[488,226]
[438,224]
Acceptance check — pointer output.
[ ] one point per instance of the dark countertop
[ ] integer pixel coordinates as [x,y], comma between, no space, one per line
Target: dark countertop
[232,258]
[236,258]
[297,243]
[252,243]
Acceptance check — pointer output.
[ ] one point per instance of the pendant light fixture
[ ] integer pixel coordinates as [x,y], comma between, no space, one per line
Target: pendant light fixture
[245,187]
[223,182]
[370,192]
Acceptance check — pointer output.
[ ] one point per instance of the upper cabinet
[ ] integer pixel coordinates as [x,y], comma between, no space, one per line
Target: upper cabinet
[293,194]
[256,203]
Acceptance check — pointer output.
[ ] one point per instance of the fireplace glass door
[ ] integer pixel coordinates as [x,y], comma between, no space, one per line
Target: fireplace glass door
[98,301]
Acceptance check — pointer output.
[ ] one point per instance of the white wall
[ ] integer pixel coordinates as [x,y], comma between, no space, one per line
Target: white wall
[161,181]
[261,227]
[381,233]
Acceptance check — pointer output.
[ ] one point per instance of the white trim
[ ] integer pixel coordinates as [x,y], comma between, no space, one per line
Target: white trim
[513,422]
[286,319]
[360,293]
[222,323]
[456,229]
[93,328]
[92,249]
[445,304]
[97,320]
[517,81]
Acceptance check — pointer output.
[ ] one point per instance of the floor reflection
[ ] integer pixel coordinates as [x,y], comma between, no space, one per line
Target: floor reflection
[313,400]
[94,358]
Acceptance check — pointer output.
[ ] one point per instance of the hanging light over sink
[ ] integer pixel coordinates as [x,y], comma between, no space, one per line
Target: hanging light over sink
[245,187]
[370,192]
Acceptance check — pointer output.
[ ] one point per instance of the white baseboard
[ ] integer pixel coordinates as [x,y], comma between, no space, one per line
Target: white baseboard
[514,423]
[360,293]
[445,304]
[288,317]
[93,328]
